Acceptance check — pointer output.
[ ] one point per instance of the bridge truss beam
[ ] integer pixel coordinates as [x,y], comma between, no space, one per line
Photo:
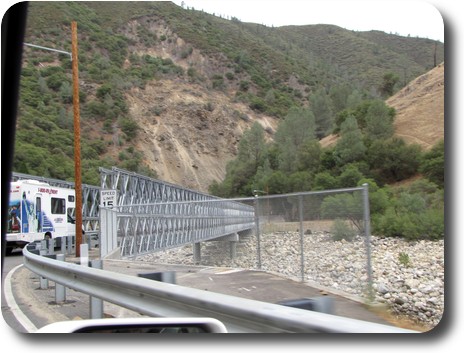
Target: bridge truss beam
[153,215]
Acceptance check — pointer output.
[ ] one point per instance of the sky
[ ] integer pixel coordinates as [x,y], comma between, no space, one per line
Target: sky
[404,17]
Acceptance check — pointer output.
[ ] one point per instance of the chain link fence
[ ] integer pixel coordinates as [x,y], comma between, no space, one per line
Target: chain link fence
[321,238]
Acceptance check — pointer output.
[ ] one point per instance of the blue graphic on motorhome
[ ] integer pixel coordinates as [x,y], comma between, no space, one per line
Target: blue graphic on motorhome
[24,212]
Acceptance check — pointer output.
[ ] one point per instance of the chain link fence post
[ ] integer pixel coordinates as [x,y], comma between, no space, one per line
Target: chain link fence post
[258,230]
[300,208]
[367,237]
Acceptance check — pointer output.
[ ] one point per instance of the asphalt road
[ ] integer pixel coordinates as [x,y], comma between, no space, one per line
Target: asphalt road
[9,263]
[30,307]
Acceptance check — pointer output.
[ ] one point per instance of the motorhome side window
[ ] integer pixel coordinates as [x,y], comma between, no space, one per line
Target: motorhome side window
[58,206]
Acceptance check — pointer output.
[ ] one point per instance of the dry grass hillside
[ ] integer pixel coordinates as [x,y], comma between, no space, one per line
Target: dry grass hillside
[420,109]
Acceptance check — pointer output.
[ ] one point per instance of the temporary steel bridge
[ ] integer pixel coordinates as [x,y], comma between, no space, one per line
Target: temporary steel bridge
[150,215]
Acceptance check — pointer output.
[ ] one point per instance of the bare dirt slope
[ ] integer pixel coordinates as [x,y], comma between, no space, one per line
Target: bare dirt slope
[189,133]
[420,111]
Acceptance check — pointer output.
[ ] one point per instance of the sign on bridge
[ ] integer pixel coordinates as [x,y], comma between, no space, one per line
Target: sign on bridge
[108,198]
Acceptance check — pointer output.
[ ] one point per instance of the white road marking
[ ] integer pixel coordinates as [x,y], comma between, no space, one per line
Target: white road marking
[11,302]
[229,271]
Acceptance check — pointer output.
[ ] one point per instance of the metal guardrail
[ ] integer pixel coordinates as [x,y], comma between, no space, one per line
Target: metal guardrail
[160,299]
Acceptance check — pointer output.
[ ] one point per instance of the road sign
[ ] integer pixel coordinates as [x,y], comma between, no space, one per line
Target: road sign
[108,198]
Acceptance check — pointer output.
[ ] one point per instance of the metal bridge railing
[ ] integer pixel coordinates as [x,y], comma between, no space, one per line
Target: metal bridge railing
[153,215]
[143,229]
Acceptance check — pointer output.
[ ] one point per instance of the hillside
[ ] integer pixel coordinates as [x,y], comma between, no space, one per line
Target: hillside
[420,110]
[195,133]
[167,91]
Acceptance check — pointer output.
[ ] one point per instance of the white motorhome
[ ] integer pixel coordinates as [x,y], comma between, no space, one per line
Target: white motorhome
[38,211]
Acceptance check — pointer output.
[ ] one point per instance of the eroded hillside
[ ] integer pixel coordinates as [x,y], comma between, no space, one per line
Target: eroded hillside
[188,133]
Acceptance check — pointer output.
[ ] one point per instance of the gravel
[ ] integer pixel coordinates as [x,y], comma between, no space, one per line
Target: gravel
[408,277]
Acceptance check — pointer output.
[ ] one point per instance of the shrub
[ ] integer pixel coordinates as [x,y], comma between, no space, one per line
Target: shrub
[404,260]
[342,231]
[244,86]
[392,160]
[433,164]
[218,81]
[129,127]
[410,225]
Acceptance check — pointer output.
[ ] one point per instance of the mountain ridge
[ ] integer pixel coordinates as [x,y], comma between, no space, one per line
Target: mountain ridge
[169,91]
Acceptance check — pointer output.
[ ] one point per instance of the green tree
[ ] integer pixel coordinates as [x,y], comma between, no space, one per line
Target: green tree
[379,198]
[350,176]
[262,176]
[321,106]
[411,216]
[354,99]
[324,181]
[433,164]
[339,97]
[389,82]
[129,127]
[277,183]
[379,121]
[241,172]
[392,160]
[294,131]
[309,156]
[350,147]
[252,147]
[344,206]
[300,181]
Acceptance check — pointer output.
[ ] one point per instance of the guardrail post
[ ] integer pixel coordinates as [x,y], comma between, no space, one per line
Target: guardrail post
[108,231]
[43,251]
[69,244]
[197,253]
[43,247]
[60,290]
[96,304]
[50,244]
[84,248]
[63,245]
[43,283]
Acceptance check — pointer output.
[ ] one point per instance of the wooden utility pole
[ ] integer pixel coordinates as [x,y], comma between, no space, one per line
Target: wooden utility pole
[77,140]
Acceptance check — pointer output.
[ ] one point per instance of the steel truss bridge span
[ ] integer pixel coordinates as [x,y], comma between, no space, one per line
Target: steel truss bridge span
[150,215]
[149,228]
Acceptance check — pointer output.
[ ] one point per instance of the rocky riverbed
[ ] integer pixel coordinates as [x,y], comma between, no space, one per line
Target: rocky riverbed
[408,277]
